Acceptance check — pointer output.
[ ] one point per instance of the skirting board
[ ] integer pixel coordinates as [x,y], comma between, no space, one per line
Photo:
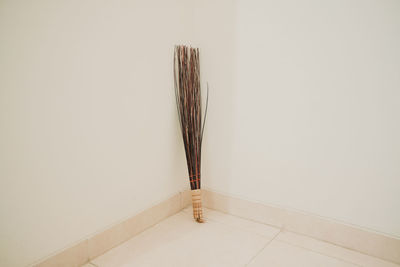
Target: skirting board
[371,243]
[347,236]
[88,249]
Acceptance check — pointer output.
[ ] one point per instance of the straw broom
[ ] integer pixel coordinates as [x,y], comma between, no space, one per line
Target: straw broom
[188,101]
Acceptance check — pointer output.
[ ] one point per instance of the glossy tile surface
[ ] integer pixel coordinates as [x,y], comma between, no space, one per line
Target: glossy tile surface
[179,241]
[333,250]
[226,240]
[281,254]
[345,235]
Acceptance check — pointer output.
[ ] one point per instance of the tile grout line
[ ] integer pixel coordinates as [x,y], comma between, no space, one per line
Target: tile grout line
[274,237]
[241,228]
[281,231]
[340,246]
[238,227]
[320,253]
[220,200]
[269,242]
[244,218]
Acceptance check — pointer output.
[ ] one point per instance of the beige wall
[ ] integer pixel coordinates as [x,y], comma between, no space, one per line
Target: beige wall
[88,129]
[317,114]
[304,106]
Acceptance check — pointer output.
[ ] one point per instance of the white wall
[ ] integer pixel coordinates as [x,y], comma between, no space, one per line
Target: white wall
[88,125]
[317,119]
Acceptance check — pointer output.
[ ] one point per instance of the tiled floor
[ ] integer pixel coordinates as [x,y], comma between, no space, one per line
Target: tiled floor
[226,240]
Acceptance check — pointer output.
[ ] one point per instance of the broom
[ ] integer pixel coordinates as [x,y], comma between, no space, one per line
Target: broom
[188,102]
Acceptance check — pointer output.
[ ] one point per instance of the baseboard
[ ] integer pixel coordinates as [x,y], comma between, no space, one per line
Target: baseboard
[88,249]
[348,236]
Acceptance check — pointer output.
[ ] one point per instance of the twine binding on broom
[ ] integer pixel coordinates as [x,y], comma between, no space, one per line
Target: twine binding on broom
[197,207]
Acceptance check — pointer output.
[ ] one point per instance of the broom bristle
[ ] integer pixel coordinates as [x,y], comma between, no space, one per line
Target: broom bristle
[188,101]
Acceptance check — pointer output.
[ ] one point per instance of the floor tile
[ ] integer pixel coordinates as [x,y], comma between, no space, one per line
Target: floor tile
[242,224]
[226,240]
[333,250]
[119,233]
[281,254]
[179,241]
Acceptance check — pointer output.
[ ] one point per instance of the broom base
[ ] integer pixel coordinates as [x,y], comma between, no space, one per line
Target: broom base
[197,207]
